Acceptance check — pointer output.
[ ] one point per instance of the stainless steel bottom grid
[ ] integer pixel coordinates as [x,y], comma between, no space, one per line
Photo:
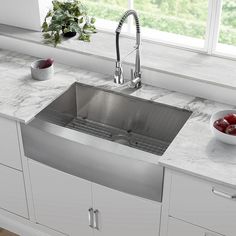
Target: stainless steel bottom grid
[131,139]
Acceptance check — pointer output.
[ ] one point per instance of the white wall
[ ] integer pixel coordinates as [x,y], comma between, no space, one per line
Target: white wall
[27,14]
[44,6]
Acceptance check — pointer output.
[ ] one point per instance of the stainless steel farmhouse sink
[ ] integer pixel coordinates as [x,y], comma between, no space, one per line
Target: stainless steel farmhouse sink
[83,131]
[138,123]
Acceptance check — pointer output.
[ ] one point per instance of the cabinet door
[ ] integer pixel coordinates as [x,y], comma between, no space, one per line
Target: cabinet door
[123,214]
[12,191]
[9,145]
[180,228]
[61,200]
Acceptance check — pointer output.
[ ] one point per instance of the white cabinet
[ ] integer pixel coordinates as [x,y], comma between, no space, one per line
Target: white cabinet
[180,228]
[203,203]
[12,191]
[124,214]
[62,202]
[9,144]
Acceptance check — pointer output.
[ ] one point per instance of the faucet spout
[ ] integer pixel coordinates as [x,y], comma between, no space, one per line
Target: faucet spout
[136,75]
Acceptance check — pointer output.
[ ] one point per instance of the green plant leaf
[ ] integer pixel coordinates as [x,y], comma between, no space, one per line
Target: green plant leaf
[57,39]
[56,5]
[81,20]
[84,37]
[49,14]
[45,26]
[92,20]
[47,36]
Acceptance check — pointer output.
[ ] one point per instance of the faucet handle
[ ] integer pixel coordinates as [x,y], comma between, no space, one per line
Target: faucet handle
[135,82]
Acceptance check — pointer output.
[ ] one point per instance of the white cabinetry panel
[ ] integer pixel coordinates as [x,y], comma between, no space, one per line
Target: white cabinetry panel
[61,200]
[9,145]
[124,214]
[180,228]
[12,191]
[195,201]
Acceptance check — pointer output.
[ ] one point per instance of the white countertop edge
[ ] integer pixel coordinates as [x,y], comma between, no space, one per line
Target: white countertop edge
[195,174]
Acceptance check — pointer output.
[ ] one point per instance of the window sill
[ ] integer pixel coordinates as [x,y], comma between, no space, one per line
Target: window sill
[155,57]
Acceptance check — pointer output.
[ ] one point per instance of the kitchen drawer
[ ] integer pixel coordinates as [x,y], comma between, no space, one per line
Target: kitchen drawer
[9,144]
[12,191]
[203,203]
[181,228]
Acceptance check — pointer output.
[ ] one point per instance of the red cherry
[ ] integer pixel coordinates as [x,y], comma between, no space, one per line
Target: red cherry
[46,63]
[231,129]
[231,118]
[221,125]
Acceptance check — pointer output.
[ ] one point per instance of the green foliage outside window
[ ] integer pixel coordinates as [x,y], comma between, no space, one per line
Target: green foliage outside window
[228,29]
[184,17]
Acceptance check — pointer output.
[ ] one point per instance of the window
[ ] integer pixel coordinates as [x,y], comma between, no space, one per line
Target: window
[204,25]
[171,19]
[227,32]
[107,9]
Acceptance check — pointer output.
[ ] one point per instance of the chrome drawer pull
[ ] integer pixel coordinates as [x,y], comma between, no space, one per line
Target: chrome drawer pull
[90,217]
[222,194]
[96,226]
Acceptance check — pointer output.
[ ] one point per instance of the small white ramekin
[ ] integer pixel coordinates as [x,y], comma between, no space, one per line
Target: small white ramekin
[41,74]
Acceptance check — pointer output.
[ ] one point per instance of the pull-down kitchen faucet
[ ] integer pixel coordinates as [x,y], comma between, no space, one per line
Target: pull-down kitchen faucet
[136,75]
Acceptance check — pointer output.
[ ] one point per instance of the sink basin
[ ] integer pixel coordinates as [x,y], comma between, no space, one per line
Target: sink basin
[131,121]
[105,137]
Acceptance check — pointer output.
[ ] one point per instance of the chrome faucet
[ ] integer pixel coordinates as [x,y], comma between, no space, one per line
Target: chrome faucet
[135,75]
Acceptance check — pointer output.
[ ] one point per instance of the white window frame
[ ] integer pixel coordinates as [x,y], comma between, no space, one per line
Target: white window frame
[208,46]
[213,25]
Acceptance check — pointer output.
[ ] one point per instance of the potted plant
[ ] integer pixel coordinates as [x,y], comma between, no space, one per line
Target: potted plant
[65,20]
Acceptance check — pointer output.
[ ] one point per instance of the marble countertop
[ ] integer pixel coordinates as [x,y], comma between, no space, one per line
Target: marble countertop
[194,150]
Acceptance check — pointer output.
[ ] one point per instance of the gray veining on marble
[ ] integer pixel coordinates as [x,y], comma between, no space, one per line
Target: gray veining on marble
[194,150]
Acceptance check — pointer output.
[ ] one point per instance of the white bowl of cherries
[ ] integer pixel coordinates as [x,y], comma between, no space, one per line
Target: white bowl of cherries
[223,126]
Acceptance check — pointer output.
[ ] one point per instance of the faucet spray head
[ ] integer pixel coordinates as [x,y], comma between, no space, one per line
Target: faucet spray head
[118,76]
